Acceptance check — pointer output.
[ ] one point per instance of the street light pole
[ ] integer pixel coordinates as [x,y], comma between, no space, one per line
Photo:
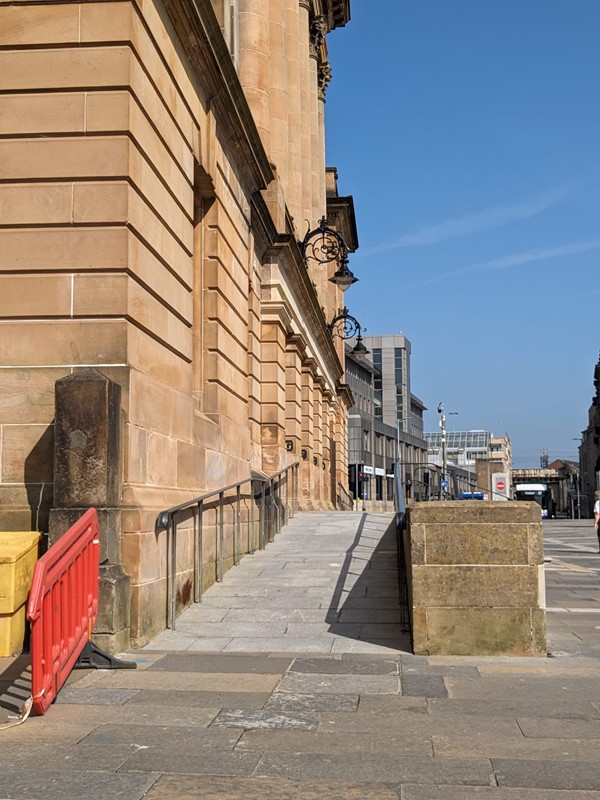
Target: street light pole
[580,440]
[444,481]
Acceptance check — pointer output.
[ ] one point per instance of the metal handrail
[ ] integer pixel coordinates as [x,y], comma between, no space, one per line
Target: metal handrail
[400,519]
[274,510]
[349,501]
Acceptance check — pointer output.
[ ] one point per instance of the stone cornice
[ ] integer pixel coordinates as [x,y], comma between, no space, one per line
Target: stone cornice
[200,35]
[345,393]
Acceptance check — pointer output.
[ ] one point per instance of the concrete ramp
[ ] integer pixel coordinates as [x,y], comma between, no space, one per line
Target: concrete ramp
[327,584]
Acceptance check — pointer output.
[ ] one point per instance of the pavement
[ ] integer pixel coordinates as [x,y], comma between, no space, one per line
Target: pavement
[293,680]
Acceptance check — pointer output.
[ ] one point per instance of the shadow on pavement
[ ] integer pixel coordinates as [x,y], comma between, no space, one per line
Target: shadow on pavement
[365,605]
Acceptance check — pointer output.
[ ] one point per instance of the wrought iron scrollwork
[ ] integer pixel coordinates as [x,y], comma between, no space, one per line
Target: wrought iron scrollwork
[323,244]
[345,325]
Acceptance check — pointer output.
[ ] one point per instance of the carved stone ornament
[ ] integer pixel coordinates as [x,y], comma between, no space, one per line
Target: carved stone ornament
[323,77]
[318,31]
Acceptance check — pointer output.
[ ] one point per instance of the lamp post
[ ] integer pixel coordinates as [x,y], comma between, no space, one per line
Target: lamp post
[444,481]
[580,440]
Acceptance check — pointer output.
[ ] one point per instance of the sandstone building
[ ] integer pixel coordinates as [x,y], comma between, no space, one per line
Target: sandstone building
[589,451]
[160,162]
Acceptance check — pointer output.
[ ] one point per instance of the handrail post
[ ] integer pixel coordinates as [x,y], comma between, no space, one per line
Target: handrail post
[236,546]
[196,546]
[173,581]
[271,504]
[200,548]
[252,531]
[221,539]
[263,515]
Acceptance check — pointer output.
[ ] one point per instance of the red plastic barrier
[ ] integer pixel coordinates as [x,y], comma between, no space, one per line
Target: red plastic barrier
[62,607]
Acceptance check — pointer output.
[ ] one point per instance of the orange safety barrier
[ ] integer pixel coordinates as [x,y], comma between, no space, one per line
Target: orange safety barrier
[62,607]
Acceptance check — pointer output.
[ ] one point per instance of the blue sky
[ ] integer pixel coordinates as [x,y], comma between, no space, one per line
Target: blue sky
[468,133]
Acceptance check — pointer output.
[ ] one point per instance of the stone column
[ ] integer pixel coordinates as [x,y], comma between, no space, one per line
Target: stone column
[279,101]
[88,473]
[323,78]
[318,27]
[306,77]
[294,190]
[254,63]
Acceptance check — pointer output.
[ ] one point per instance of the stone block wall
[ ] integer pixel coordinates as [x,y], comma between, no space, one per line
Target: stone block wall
[136,241]
[476,578]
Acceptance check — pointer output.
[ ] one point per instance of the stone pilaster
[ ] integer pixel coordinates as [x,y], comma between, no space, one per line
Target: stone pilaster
[307,454]
[293,395]
[273,395]
[88,473]
[318,441]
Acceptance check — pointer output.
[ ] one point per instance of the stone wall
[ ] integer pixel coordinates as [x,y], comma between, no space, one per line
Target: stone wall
[476,578]
[146,233]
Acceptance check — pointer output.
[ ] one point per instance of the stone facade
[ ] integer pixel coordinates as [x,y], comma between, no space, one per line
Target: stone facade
[476,578]
[589,451]
[158,161]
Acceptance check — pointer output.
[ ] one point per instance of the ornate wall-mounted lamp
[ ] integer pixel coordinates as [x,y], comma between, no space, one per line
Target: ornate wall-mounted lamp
[346,326]
[325,245]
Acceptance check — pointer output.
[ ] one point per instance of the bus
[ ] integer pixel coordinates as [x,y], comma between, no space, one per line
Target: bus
[538,493]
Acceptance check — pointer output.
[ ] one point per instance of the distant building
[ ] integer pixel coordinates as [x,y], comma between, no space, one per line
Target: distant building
[479,454]
[560,476]
[386,421]
[589,451]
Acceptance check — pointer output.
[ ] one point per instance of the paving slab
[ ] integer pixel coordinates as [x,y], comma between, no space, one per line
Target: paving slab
[350,665]
[560,728]
[493,746]
[189,760]
[198,699]
[223,663]
[491,793]
[330,743]
[305,682]
[424,685]
[29,784]
[193,681]
[190,787]
[544,774]
[376,767]
[286,701]
[267,719]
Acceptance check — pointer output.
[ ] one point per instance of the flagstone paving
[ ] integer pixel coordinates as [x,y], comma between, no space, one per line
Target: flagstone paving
[294,681]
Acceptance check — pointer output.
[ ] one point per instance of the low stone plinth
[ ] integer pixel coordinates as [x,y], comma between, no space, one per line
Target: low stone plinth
[476,578]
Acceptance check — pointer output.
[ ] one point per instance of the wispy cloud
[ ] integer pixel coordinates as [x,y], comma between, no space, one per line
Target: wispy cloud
[516,259]
[458,227]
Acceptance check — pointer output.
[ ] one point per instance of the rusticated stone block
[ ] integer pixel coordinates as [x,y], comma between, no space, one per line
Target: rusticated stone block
[460,511]
[480,543]
[475,586]
[480,631]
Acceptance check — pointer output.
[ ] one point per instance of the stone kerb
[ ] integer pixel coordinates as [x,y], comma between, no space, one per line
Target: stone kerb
[476,578]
